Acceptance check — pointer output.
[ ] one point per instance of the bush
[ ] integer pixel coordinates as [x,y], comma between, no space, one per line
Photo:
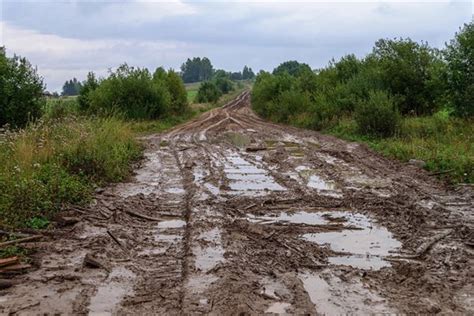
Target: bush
[377,116]
[291,67]
[21,91]
[179,96]
[208,92]
[87,87]
[460,69]
[408,70]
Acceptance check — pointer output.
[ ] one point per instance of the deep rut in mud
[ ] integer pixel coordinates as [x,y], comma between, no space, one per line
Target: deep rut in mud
[230,214]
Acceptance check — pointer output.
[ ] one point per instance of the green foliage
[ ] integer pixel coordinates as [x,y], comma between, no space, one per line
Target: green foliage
[408,71]
[21,91]
[54,162]
[208,92]
[37,223]
[88,86]
[432,139]
[223,84]
[196,69]
[60,108]
[459,54]
[131,92]
[11,251]
[247,73]
[179,97]
[291,67]
[377,116]
[71,87]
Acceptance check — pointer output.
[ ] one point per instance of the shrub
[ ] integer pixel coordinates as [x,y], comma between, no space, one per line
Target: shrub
[208,92]
[377,116]
[179,96]
[21,91]
[291,67]
[88,86]
[408,71]
[460,69]
[131,92]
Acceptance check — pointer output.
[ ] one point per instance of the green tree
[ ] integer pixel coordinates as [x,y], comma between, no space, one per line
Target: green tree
[21,91]
[291,67]
[131,92]
[407,71]
[71,87]
[89,85]
[196,69]
[247,73]
[177,90]
[459,54]
[208,92]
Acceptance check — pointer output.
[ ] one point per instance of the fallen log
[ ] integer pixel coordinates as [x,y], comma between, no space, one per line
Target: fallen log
[20,240]
[149,218]
[8,261]
[254,149]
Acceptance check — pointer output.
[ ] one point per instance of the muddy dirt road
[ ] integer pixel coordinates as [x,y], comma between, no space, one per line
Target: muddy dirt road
[229,214]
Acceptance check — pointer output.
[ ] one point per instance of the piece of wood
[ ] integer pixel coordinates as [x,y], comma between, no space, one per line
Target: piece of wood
[254,149]
[115,239]
[5,284]
[20,240]
[149,218]
[8,261]
[441,172]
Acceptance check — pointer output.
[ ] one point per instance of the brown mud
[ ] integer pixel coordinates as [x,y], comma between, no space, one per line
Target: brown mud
[230,214]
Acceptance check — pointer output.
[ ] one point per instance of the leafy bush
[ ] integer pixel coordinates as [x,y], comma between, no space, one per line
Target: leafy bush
[291,67]
[408,70]
[460,70]
[179,96]
[21,91]
[377,116]
[88,86]
[208,92]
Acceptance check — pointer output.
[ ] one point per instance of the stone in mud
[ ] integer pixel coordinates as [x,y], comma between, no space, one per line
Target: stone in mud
[417,163]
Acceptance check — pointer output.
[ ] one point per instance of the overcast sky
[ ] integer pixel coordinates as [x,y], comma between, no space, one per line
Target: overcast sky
[67,39]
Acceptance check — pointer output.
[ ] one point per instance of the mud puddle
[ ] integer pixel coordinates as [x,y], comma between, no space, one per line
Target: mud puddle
[248,179]
[333,296]
[109,294]
[316,182]
[365,247]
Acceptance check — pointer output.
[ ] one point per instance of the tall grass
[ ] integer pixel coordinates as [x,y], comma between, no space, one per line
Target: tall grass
[445,143]
[54,162]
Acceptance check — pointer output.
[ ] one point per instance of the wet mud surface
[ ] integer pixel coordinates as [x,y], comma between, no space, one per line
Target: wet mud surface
[229,214]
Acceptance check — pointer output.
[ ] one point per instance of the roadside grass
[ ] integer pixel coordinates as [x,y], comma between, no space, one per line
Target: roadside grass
[192,90]
[444,143]
[55,162]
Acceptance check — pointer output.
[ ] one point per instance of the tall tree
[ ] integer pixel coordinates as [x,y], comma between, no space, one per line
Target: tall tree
[247,73]
[460,73]
[21,91]
[196,69]
[71,87]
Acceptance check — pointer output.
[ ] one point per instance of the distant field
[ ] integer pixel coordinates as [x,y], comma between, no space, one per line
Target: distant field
[192,89]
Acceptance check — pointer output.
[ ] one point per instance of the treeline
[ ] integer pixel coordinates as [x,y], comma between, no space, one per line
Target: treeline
[400,77]
[201,69]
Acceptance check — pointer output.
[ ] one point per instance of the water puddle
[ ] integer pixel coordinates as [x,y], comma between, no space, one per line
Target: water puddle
[248,179]
[207,257]
[335,297]
[175,223]
[110,294]
[293,218]
[367,245]
[278,308]
[314,181]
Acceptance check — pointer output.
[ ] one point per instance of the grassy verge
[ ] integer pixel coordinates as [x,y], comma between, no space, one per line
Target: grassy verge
[444,143]
[54,162]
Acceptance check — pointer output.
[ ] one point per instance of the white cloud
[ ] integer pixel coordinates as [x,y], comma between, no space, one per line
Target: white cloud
[59,58]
